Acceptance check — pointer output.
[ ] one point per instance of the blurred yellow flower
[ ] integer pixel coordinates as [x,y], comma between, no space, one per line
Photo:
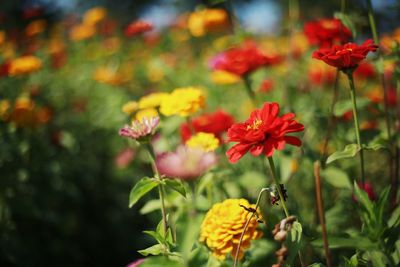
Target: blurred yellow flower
[130,107]
[207,20]
[24,65]
[206,141]
[224,77]
[183,101]
[152,100]
[155,74]
[4,108]
[223,226]
[94,15]
[108,76]
[35,27]
[146,113]
[82,32]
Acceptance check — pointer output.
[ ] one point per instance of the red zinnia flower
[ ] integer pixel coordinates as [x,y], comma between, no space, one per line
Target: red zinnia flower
[263,132]
[137,27]
[365,70]
[326,32]
[216,123]
[243,60]
[346,56]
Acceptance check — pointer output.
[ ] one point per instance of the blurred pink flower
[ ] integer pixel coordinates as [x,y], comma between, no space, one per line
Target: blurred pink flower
[141,128]
[186,163]
[124,157]
[135,263]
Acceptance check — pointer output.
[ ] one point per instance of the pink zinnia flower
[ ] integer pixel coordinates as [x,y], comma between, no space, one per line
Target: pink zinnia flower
[140,129]
[135,263]
[185,163]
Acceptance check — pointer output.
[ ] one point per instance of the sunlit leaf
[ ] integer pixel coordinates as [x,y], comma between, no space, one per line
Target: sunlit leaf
[141,188]
[336,177]
[349,151]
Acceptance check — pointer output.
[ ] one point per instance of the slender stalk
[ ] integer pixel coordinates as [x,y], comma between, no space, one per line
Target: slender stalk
[321,213]
[281,198]
[356,124]
[331,122]
[190,125]
[247,224]
[249,90]
[278,187]
[161,190]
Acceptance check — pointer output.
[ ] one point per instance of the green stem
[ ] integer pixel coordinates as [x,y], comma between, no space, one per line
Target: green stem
[249,90]
[278,186]
[247,224]
[356,124]
[161,190]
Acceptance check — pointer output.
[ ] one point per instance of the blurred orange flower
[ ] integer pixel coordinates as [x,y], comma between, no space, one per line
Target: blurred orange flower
[35,27]
[94,15]
[207,20]
[108,76]
[24,65]
[81,32]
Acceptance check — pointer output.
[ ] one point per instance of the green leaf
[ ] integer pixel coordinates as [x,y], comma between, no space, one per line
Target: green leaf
[150,206]
[169,261]
[349,152]
[155,235]
[153,250]
[347,21]
[336,177]
[293,241]
[364,200]
[373,146]
[177,185]
[317,264]
[341,107]
[141,188]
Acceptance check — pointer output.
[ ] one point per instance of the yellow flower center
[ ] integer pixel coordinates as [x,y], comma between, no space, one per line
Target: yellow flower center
[255,126]
[344,50]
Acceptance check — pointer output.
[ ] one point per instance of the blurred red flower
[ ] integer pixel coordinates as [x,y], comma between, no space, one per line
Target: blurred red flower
[216,123]
[365,70]
[137,27]
[243,60]
[263,132]
[266,85]
[327,32]
[367,187]
[346,56]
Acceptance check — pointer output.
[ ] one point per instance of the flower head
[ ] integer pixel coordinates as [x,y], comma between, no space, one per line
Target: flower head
[186,162]
[82,32]
[183,102]
[152,100]
[94,15]
[130,107]
[140,129]
[242,60]
[327,32]
[224,77]
[216,123]
[24,65]
[206,141]
[346,56]
[137,27]
[207,20]
[263,132]
[223,226]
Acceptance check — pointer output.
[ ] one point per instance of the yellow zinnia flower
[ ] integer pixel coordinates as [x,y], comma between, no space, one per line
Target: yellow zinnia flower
[130,107]
[152,100]
[223,226]
[146,113]
[224,77]
[183,102]
[206,141]
[24,65]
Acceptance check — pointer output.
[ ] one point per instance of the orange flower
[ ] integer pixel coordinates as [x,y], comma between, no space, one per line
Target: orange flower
[35,27]
[94,15]
[24,65]
[207,20]
[82,32]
